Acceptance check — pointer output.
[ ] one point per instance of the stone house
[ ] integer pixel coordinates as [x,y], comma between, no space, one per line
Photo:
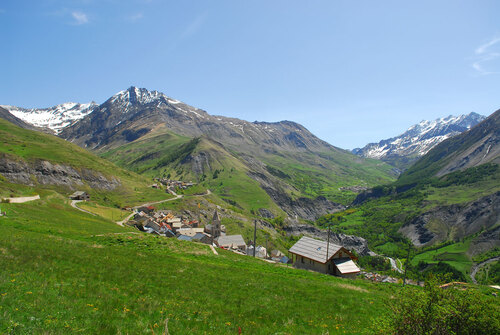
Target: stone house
[80,195]
[311,254]
[232,242]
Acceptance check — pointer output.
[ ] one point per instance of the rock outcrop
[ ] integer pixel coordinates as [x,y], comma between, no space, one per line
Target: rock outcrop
[46,173]
[305,208]
[454,222]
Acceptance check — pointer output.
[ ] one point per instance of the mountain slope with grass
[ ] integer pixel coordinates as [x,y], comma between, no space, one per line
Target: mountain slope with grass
[95,277]
[64,271]
[446,205]
[31,160]
[152,134]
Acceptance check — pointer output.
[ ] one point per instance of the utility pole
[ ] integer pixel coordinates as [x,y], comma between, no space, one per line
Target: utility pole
[327,248]
[266,246]
[254,236]
[406,266]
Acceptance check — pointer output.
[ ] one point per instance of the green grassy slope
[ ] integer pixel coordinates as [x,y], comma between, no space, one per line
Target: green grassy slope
[164,156]
[379,219]
[310,174]
[323,174]
[67,272]
[20,144]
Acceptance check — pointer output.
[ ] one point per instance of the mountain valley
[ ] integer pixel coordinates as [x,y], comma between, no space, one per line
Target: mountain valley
[269,171]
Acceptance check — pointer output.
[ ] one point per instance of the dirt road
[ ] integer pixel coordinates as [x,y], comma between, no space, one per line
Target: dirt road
[73,204]
[121,223]
[177,196]
[20,200]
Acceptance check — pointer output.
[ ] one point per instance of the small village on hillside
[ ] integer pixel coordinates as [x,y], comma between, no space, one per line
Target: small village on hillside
[307,253]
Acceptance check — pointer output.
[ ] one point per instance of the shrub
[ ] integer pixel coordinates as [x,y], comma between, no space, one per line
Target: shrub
[374,263]
[436,310]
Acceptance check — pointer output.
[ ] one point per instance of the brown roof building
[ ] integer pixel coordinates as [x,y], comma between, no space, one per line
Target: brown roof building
[319,256]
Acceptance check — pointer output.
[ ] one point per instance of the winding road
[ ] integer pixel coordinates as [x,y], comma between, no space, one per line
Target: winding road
[394,265]
[476,267]
[73,204]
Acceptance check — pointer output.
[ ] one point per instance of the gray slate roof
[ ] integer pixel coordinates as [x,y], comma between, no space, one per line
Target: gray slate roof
[184,238]
[228,240]
[199,236]
[314,249]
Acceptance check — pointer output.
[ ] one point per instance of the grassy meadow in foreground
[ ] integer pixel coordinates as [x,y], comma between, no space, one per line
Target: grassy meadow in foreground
[64,271]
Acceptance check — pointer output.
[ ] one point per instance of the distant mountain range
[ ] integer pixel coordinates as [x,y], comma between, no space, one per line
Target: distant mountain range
[403,150]
[55,118]
[256,166]
[478,146]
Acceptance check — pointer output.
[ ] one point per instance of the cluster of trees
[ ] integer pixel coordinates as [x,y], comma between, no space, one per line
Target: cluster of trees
[467,177]
[441,310]
[374,263]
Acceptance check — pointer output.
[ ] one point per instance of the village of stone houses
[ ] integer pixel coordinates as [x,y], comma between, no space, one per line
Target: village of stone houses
[307,253]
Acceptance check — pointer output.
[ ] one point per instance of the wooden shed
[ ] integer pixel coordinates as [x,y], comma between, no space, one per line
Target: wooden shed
[309,253]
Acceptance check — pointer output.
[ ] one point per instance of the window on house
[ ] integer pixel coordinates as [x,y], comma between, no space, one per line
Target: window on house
[302,259]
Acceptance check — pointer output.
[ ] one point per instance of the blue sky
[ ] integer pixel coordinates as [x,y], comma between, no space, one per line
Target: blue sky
[352,72]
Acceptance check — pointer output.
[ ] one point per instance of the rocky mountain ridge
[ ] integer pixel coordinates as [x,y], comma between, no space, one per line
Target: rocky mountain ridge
[55,118]
[134,112]
[419,139]
[477,146]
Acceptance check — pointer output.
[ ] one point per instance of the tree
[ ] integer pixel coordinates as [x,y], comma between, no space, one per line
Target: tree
[437,310]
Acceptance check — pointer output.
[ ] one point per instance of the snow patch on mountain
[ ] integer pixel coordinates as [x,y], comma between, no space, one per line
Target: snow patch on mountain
[134,95]
[420,138]
[55,118]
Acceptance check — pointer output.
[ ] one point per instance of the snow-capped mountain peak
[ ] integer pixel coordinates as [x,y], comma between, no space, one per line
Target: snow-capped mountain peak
[417,140]
[140,95]
[55,118]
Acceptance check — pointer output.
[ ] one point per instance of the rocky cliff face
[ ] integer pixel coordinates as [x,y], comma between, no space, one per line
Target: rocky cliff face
[46,173]
[454,222]
[305,208]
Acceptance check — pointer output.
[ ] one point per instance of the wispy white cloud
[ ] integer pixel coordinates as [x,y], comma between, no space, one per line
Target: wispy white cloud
[484,48]
[79,17]
[193,26]
[136,17]
[486,54]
